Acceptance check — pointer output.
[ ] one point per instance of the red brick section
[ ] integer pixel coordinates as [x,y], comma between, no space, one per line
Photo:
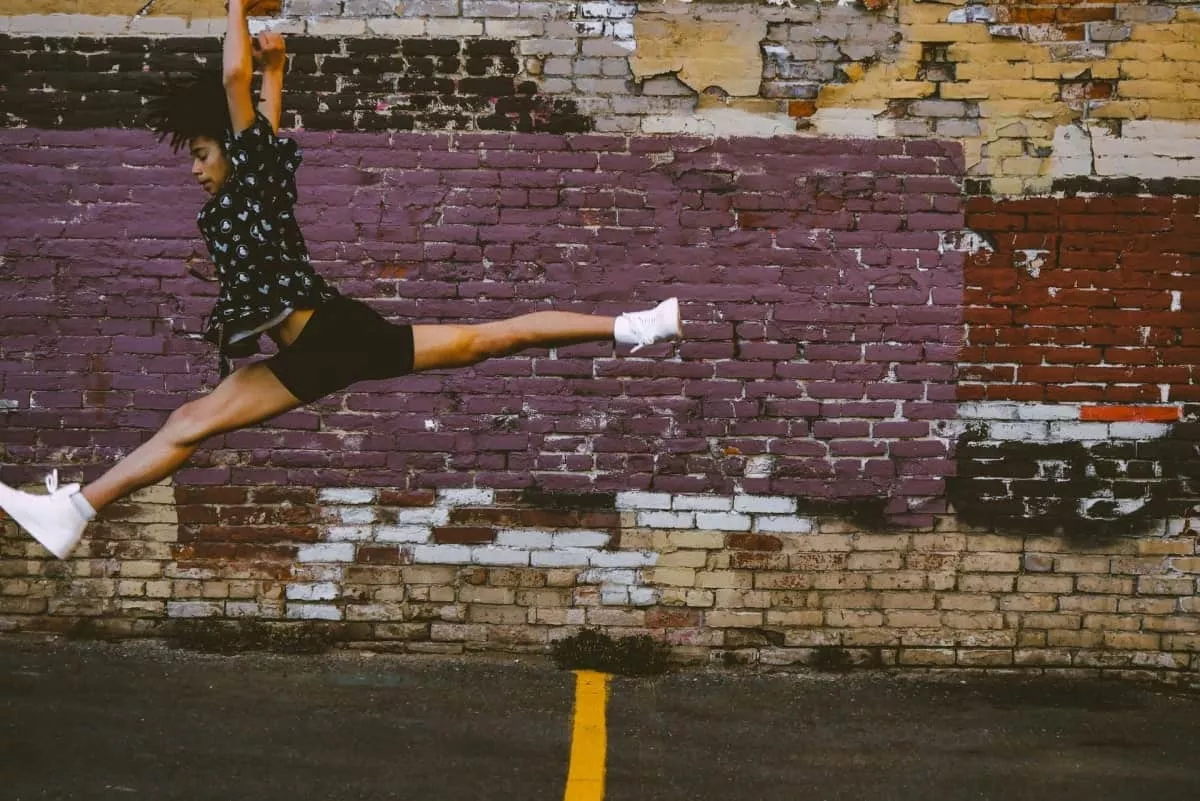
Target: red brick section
[1075,301]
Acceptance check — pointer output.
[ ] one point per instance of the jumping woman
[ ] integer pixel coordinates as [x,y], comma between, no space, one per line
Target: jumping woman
[326,341]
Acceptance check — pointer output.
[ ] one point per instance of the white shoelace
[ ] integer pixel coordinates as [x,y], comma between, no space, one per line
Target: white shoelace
[52,484]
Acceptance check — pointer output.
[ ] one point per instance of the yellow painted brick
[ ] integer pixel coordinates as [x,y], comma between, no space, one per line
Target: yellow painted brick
[948,32]
[1058,70]
[1158,90]
[1122,110]
[795,617]
[1166,34]
[990,51]
[1173,110]
[913,619]
[727,620]
[852,618]
[724,579]
[671,576]
[1142,51]
[911,90]
[999,71]
[1022,166]
[897,580]
[906,600]
[1177,52]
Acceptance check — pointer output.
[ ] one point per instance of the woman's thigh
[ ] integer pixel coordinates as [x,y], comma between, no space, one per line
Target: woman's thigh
[247,396]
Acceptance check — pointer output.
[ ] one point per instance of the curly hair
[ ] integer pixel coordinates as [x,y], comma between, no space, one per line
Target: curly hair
[188,106]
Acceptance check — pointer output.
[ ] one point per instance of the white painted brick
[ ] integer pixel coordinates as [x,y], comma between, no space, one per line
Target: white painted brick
[348,533]
[581,539]
[529,538]
[644,596]
[1019,432]
[608,575]
[425,516]
[764,504]
[727,521]
[786,524]
[490,555]
[564,557]
[442,554]
[401,28]
[643,500]
[1077,432]
[67,24]
[326,552]
[514,28]
[313,612]
[451,28]
[622,559]
[614,596]
[1139,430]
[1046,411]
[987,410]
[667,519]
[703,503]
[346,496]
[466,497]
[324,26]
[322,591]
[194,608]
[152,26]
[403,533]
[356,515]
[592,10]
[243,609]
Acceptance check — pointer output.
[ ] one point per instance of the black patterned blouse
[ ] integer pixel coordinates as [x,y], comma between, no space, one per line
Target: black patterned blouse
[253,239]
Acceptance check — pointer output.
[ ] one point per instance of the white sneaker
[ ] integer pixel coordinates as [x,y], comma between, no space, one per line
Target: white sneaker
[648,327]
[52,519]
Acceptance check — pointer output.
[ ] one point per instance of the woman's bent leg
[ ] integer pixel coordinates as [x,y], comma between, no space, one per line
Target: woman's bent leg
[248,396]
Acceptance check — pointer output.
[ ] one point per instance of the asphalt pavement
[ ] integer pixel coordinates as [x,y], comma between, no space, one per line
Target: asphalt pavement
[88,720]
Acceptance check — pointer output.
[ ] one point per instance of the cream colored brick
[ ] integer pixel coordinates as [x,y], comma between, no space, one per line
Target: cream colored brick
[1159,585]
[700,598]
[911,619]
[907,600]
[967,602]
[1112,622]
[940,542]
[544,598]
[710,540]
[1147,606]
[839,581]
[973,620]
[852,618]
[737,599]
[1051,584]
[880,542]
[608,616]
[1087,603]
[820,542]
[1031,639]
[875,561]
[727,620]
[1126,640]
[850,600]
[687,558]
[797,617]
[126,589]
[1104,584]
[724,579]
[984,657]
[986,583]
[470,594]
[927,657]
[1177,623]
[897,580]
[1051,621]
[870,638]
[1035,657]
[1063,638]
[561,577]
[502,615]
[1029,603]
[429,574]
[986,562]
[671,576]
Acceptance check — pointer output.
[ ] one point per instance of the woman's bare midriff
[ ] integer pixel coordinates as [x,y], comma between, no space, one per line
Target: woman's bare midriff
[287,331]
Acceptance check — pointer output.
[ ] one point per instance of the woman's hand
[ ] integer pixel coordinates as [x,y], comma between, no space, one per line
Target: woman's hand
[270,53]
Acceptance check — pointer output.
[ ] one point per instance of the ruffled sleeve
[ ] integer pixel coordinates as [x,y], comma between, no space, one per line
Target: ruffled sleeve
[264,165]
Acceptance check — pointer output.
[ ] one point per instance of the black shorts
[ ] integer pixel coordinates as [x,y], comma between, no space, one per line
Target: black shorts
[345,341]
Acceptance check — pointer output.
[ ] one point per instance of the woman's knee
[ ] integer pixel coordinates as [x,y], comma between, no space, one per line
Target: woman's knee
[191,423]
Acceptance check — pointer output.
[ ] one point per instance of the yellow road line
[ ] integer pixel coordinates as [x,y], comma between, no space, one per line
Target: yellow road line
[589,738]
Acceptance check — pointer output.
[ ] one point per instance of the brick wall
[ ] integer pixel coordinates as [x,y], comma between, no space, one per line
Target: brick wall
[935,406]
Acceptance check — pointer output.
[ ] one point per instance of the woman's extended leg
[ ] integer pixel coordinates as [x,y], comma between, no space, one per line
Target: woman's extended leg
[250,395]
[437,347]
